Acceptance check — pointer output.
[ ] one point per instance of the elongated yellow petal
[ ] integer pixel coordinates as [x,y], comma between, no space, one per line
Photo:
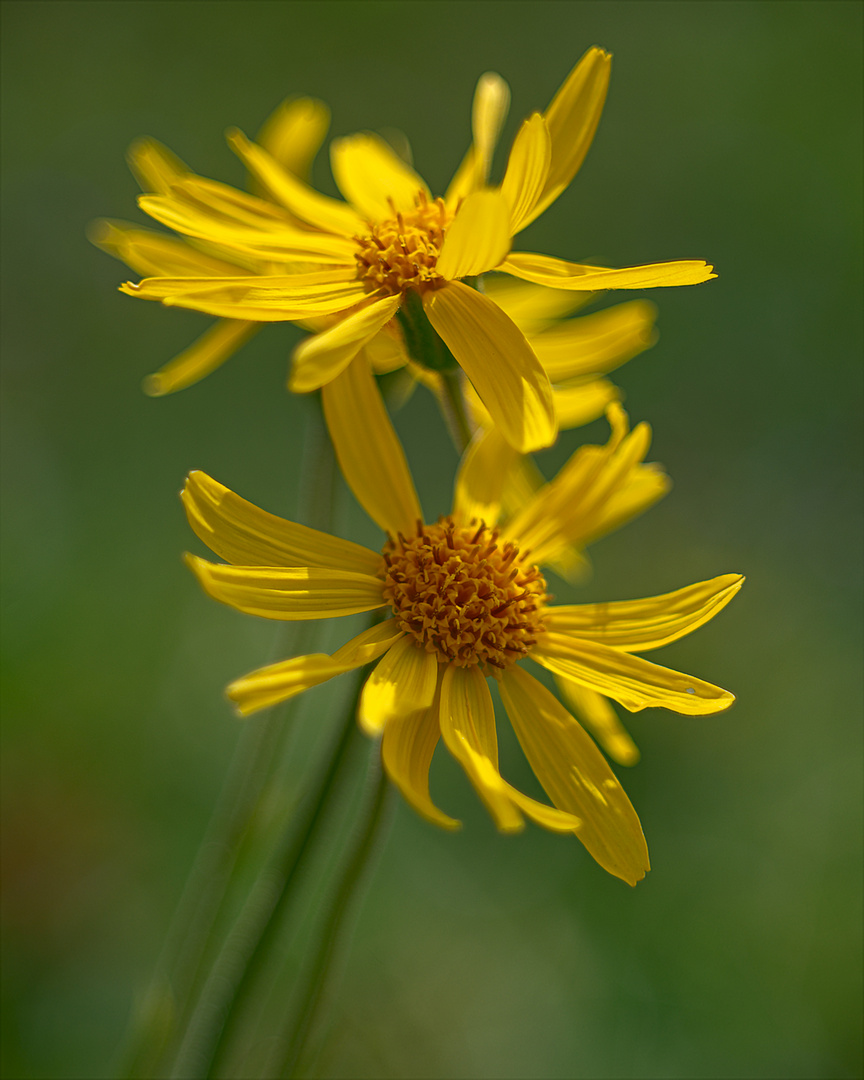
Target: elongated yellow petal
[319,359]
[289,593]
[385,352]
[640,625]
[597,343]
[242,534]
[406,751]
[583,401]
[209,352]
[595,712]
[527,169]
[152,254]
[483,472]
[499,362]
[369,452]
[303,201]
[253,297]
[645,485]
[545,270]
[575,776]
[403,682]
[631,681]
[278,682]
[467,720]
[532,307]
[293,133]
[478,238]
[489,111]
[373,178]
[155,167]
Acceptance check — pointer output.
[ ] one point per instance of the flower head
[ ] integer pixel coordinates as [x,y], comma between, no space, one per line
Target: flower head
[392,249]
[467,601]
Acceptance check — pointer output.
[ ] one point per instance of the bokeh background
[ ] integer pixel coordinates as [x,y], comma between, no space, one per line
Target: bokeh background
[732,133]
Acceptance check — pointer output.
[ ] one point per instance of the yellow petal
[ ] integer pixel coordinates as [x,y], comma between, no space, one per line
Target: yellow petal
[527,169]
[152,254]
[583,401]
[373,178]
[597,343]
[154,166]
[489,111]
[242,534]
[467,720]
[499,362]
[532,307]
[483,472]
[572,118]
[278,298]
[544,270]
[631,681]
[479,237]
[576,776]
[369,452]
[289,593]
[278,682]
[645,485]
[640,625]
[385,352]
[209,352]
[302,200]
[594,712]
[293,133]
[319,359]
[406,751]
[403,682]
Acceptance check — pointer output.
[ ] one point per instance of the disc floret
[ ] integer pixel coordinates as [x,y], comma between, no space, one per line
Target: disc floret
[464,595]
[402,251]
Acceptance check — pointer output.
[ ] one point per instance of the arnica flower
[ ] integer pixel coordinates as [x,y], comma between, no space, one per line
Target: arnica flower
[467,602]
[392,248]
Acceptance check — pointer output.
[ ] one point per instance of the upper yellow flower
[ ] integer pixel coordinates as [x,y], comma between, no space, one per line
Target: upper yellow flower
[393,246]
[468,601]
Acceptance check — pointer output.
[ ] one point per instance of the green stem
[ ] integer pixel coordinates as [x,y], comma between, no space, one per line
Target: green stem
[239,965]
[455,412]
[171,999]
[368,836]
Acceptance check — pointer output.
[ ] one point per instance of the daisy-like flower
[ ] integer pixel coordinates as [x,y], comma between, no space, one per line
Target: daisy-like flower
[467,602]
[392,249]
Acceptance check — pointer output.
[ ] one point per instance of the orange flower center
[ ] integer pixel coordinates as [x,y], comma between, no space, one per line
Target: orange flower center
[401,252]
[464,596]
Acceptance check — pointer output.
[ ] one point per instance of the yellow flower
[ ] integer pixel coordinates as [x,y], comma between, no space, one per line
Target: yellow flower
[393,246]
[468,601]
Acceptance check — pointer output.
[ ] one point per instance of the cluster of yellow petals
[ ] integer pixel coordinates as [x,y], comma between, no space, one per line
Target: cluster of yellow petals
[463,595]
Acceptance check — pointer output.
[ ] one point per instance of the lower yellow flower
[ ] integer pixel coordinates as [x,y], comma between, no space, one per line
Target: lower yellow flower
[468,602]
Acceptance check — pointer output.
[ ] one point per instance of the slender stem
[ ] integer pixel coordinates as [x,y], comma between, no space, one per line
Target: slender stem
[239,965]
[170,1001]
[455,412]
[368,837]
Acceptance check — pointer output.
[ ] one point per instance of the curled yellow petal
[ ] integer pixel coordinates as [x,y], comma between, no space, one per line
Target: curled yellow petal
[319,359]
[631,681]
[403,682]
[527,169]
[289,593]
[576,776]
[488,113]
[640,625]
[294,132]
[369,452]
[241,533]
[478,238]
[546,270]
[597,343]
[373,178]
[209,352]
[406,752]
[499,362]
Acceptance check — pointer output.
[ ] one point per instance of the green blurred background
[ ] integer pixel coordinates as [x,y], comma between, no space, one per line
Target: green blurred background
[732,133]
